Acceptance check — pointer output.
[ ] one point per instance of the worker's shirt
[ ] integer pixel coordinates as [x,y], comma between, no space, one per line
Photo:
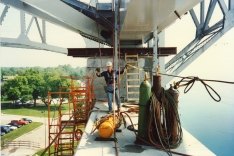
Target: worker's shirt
[109,76]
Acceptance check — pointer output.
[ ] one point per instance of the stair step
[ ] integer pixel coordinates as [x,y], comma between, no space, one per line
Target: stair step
[133,99]
[133,86]
[133,92]
[132,73]
[133,80]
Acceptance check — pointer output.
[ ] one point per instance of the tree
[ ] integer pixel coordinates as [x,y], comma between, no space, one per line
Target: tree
[32,83]
[26,93]
[35,81]
[16,88]
[13,94]
[35,94]
[53,82]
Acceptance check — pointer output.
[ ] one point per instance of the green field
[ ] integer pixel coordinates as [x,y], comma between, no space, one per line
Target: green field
[20,131]
[38,111]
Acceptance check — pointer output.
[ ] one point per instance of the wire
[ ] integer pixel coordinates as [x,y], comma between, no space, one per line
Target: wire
[145,141]
[189,81]
[191,77]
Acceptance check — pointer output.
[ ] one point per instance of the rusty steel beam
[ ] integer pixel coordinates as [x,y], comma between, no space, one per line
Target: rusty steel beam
[94,52]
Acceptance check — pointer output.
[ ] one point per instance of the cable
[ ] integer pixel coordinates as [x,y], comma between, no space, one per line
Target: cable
[191,77]
[189,81]
[146,141]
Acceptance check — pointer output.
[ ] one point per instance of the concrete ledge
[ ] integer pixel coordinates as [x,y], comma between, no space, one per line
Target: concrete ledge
[88,145]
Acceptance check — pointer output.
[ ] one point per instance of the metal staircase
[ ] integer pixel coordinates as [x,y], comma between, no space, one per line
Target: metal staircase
[132,78]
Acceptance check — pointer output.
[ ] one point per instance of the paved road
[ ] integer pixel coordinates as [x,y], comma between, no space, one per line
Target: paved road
[37,136]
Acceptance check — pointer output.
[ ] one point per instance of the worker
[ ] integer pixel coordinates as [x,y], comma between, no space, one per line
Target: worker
[109,78]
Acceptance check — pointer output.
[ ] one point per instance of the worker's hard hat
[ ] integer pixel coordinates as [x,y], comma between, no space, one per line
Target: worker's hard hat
[108,64]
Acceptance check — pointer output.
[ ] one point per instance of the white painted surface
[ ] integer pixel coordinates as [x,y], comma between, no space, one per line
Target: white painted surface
[142,17]
[88,145]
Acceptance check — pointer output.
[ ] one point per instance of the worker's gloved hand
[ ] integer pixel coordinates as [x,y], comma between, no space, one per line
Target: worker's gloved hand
[98,70]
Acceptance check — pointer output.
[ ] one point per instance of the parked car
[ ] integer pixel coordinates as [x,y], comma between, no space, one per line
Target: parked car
[27,119]
[18,102]
[15,124]
[28,103]
[5,129]
[20,122]
[11,127]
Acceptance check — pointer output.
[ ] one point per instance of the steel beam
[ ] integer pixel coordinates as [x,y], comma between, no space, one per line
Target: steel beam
[202,11]
[180,54]
[202,49]
[84,30]
[29,25]
[223,6]
[24,42]
[194,17]
[39,31]
[203,40]
[22,24]
[4,12]
[27,44]
[209,13]
[108,52]
[44,30]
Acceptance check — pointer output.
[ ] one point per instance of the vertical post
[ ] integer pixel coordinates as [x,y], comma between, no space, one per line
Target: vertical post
[44,31]
[45,127]
[155,51]
[115,49]
[49,94]
[116,29]
[22,23]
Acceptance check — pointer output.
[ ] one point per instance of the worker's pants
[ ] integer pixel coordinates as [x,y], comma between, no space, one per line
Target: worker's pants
[110,97]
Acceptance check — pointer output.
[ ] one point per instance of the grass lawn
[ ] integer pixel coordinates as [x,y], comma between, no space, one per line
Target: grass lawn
[38,111]
[20,131]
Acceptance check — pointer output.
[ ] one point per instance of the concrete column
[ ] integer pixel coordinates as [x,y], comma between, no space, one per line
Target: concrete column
[155,50]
